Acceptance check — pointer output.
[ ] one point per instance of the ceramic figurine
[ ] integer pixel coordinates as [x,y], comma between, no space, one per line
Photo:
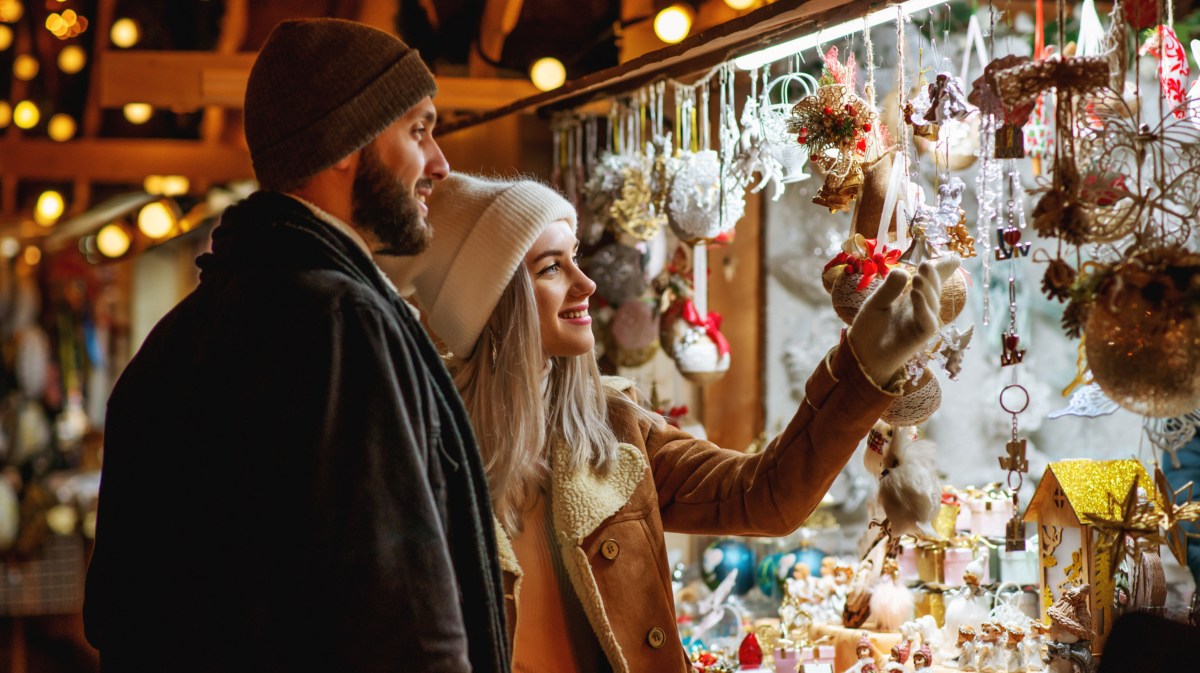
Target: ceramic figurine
[991,648]
[967,652]
[898,658]
[967,605]
[1031,647]
[1070,646]
[1014,654]
[866,658]
[923,659]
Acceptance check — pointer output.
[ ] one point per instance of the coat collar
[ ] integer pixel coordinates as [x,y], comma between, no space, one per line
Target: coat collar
[582,500]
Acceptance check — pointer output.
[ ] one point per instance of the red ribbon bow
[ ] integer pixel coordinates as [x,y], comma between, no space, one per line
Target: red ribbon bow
[711,324]
[875,263]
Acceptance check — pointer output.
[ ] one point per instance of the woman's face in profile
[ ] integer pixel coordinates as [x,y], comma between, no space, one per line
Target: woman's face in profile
[561,291]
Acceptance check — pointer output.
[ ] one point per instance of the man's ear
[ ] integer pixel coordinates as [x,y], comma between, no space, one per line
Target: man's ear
[348,162]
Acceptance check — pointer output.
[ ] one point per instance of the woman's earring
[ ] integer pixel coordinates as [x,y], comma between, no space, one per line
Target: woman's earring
[493,339]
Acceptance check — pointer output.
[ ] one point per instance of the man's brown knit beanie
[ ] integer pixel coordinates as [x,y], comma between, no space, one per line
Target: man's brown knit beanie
[322,89]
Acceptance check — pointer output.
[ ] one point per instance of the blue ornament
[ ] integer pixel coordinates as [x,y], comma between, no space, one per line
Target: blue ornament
[810,557]
[723,556]
[787,563]
[766,574]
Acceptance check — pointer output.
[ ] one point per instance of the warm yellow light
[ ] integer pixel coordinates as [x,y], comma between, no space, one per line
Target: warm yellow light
[25,67]
[6,37]
[125,33]
[61,127]
[673,23]
[547,73]
[138,113]
[156,220]
[49,208]
[5,114]
[112,240]
[33,255]
[26,115]
[175,185]
[72,59]
[9,247]
[11,11]
[69,17]
[153,184]
[740,4]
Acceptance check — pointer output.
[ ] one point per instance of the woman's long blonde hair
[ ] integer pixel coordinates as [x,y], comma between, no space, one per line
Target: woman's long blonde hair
[518,415]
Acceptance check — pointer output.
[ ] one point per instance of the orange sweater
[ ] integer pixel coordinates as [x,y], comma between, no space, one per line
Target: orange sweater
[552,633]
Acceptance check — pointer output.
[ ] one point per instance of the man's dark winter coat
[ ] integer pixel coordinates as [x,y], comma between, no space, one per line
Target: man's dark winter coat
[290,481]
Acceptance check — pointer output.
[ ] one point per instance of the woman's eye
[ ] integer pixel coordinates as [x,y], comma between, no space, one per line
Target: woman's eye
[419,131]
[553,268]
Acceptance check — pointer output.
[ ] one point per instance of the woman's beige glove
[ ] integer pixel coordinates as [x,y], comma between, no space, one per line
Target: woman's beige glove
[893,324]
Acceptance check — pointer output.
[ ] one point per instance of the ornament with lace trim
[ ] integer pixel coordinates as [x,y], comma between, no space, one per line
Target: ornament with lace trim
[702,205]
[854,273]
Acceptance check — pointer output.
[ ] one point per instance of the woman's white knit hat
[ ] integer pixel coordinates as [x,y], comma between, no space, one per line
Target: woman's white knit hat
[482,229]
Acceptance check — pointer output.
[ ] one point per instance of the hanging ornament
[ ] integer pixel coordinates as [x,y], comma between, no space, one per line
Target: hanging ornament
[617,271]
[756,153]
[695,342]
[917,402]
[634,330]
[1143,331]
[837,127]
[1014,399]
[855,272]
[1173,68]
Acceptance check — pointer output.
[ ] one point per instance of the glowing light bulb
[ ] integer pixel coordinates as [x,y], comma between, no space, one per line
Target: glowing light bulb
[125,33]
[72,59]
[26,115]
[156,219]
[138,113]
[672,24]
[547,73]
[25,67]
[33,255]
[5,114]
[175,185]
[6,37]
[61,127]
[9,247]
[112,240]
[49,208]
[740,4]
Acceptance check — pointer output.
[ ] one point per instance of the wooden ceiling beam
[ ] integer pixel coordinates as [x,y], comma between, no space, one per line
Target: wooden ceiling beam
[183,80]
[123,160]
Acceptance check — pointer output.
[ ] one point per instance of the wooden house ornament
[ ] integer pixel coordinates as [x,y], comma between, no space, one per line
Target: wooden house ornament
[1070,491]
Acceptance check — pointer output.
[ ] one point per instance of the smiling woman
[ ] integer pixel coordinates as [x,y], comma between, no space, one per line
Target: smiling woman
[584,481]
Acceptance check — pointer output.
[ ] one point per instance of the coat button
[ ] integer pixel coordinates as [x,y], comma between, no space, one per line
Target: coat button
[656,637]
[609,549]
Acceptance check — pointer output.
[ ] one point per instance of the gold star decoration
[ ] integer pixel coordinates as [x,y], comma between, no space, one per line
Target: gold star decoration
[1172,515]
[1139,521]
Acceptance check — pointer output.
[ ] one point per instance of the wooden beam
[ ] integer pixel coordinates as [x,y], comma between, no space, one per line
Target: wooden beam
[121,160]
[190,80]
[762,27]
[180,80]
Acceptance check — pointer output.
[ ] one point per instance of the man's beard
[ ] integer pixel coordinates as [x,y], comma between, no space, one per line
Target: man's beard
[383,207]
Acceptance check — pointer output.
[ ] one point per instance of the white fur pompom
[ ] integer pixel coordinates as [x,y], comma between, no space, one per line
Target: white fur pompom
[909,488]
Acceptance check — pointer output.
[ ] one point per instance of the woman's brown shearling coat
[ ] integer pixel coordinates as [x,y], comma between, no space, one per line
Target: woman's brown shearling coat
[665,479]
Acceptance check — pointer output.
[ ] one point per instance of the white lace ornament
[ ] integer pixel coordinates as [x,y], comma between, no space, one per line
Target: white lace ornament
[700,207]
